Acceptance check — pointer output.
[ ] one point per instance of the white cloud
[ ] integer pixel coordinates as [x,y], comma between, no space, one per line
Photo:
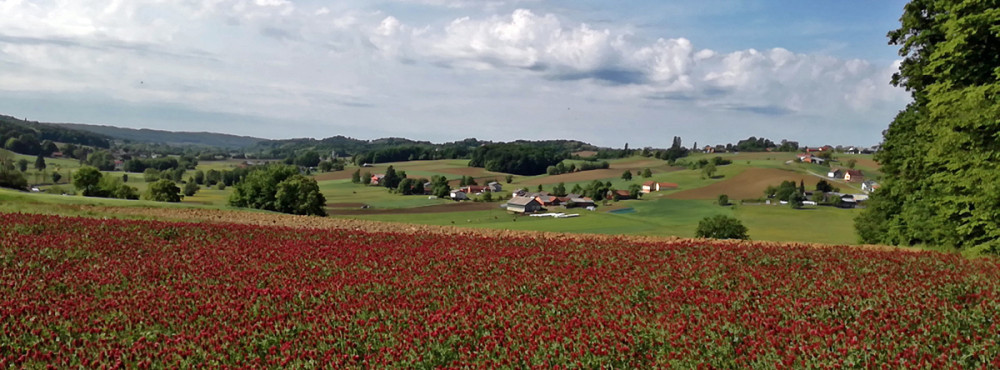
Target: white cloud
[275,58]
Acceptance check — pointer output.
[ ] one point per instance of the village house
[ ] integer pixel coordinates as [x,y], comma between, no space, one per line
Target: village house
[459,195]
[523,205]
[854,176]
[621,194]
[835,174]
[494,186]
[474,189]
[651,186]
[809,158]
[547,200]
[376,179]
[869,186]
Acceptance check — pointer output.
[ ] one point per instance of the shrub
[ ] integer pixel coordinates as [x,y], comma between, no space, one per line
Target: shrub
[723,200]
[721,227]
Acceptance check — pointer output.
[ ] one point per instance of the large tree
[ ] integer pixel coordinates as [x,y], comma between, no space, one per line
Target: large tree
[941,155]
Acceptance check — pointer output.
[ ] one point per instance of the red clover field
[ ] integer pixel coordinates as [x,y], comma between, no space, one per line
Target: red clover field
[84,292]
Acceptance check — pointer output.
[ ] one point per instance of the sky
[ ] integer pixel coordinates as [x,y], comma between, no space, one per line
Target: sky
[604,72]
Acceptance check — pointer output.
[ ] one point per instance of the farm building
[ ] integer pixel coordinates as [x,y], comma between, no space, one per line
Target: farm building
[854,176]
[869,186]
[620,194]
[523,205]
[651,186]
[494,186]
[459,195]
[376,179]
[835,174]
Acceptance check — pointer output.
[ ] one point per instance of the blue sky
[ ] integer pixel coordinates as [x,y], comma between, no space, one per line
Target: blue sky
[604,72]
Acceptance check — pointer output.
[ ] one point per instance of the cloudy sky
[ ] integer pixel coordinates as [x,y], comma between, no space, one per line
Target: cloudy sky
[606,72]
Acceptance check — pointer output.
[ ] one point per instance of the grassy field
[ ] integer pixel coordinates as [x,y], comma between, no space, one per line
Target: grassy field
[655,214]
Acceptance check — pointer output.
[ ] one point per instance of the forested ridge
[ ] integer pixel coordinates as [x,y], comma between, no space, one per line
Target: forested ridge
[941,155]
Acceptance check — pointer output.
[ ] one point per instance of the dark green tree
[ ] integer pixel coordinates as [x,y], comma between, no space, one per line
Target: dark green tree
[163,191]
[721,227]
[87,179]
[941,155]
[300,195]
[723,200]
[40,163]
[22,165]
[646,173]
[627,175]
[191,188]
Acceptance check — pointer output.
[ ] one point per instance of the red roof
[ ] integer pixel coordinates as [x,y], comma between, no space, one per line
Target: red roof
[648,183]
[854,173]
[668,185]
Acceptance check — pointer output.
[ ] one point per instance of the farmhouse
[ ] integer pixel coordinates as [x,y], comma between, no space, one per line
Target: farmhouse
[809,158]
[854,176]
[459,195]
[376,179]
[651,186]
[523,205]
[475,189]
[835,174]
[620,194]
[494,186]
[869,186]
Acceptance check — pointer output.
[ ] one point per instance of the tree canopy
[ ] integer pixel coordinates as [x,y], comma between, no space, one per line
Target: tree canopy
[281,189]
[941,155]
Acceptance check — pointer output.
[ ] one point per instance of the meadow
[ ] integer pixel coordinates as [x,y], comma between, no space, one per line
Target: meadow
[667,213]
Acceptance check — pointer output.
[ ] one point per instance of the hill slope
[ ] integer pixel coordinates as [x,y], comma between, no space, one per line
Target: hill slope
[208,139]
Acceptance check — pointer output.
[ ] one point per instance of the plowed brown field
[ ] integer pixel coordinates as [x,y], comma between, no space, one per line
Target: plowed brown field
[747,184]
[440,208]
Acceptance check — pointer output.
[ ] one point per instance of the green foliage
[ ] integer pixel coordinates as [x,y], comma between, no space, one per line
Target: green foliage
[391,179]
[9,178]
[279,188]
[163,191]
[22,165]
[509,178]
[101,159]
[635,191]
[559,190]
[87,179]
[795,200]
[941,155]
[824,186]
[851,163]
[191,189]
[646,173]
[356,176]
[40,163]
[308,159]
[709,170]
[56,176]
[721,227]
[300,195]
[199,177]
[723,200]
[517,158]
[627,175]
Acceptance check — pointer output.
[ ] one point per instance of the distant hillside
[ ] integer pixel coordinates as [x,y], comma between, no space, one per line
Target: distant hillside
[28,135]
[206,139]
